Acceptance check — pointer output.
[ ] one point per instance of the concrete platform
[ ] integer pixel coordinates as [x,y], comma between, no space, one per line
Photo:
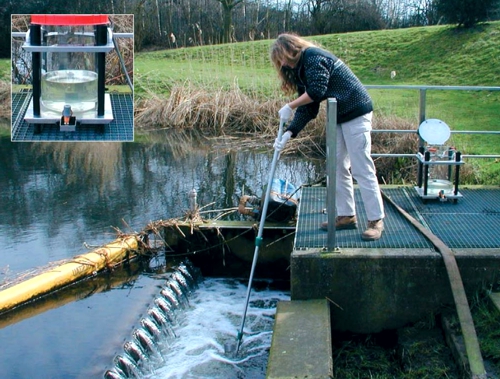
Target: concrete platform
[378,289]
[301,346]
[401,278]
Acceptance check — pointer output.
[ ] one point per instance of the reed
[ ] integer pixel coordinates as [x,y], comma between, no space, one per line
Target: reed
[5,106]
[95,162]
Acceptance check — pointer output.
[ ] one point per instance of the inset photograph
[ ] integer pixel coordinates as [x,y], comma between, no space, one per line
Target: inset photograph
[72,77]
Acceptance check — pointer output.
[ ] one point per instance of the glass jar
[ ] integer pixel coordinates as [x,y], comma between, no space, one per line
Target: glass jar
[68,77]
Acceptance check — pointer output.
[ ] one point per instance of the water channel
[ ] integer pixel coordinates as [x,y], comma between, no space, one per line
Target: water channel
[58,200]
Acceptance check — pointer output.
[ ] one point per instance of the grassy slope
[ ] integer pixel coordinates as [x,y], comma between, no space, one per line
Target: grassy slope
[437,55]
[5,69]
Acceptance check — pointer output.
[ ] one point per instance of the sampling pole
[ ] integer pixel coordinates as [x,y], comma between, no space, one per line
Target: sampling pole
[258,239]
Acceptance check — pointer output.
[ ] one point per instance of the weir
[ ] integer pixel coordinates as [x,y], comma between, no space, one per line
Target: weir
[143,352]
[193,332]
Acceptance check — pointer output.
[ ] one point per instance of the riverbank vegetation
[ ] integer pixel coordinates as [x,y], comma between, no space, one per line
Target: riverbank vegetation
[419,350]
[229,94]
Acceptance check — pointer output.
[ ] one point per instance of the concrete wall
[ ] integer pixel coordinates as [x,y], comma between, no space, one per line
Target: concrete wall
[375,289]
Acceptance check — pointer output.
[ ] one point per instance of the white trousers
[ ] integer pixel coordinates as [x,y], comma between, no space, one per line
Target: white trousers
[353,152]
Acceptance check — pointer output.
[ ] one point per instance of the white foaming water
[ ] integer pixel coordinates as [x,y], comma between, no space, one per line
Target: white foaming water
[206,340]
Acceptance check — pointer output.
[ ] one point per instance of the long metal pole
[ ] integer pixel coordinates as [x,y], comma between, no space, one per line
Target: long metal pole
[331,170]
[258,239]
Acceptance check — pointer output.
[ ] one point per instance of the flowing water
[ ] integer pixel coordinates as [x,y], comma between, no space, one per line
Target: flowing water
[190,331]
[207,334]
[56,197]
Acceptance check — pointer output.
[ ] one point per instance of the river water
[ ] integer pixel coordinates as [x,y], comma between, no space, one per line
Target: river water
[57,200]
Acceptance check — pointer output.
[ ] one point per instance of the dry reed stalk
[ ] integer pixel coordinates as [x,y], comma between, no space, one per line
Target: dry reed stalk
[392,170]
[122,23]
[207,112]
[20,22]
[228,118]
[230,113]
[5,105]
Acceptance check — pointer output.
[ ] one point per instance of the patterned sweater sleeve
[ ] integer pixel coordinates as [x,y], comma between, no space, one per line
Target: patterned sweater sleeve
[303,115]
[317,71]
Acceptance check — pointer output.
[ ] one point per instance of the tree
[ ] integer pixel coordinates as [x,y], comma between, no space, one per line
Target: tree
[227,22]
[466,13]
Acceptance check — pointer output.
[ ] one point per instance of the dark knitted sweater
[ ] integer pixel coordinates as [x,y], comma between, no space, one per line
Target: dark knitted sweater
[322,75]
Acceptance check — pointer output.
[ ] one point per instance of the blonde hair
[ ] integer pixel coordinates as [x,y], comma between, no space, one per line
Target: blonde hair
[287,49]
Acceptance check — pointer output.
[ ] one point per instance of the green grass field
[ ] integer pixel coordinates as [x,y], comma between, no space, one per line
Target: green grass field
[438,55]
[5,70]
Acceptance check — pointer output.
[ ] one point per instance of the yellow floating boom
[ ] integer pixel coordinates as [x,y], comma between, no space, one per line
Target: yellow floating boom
[78,268]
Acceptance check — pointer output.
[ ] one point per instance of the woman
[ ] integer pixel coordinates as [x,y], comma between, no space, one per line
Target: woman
[316,74]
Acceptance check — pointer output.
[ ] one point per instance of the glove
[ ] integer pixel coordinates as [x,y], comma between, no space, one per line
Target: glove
[285,113]
[279,144]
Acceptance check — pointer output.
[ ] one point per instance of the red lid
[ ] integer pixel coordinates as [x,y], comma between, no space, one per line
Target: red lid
[69,19]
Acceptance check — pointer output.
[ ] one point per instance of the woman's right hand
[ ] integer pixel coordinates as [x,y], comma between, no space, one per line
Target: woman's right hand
[279,144]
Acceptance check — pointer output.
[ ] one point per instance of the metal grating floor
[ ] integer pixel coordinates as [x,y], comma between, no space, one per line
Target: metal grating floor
[473,222]
[120,129]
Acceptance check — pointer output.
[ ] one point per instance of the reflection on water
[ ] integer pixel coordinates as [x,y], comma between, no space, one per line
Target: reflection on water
[56,196]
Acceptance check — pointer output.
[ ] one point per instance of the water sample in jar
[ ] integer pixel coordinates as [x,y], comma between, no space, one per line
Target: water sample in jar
[435,186]
[77,88]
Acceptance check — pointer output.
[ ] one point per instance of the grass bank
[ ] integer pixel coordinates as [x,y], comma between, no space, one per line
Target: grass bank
[232,90]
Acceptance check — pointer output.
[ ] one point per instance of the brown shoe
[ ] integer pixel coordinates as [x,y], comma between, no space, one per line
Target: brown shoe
[342,222]
[374,230]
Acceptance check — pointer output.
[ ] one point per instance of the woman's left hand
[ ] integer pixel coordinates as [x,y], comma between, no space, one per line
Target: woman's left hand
[285,113]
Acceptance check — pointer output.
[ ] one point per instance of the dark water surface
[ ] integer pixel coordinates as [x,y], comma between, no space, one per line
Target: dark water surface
[57,196]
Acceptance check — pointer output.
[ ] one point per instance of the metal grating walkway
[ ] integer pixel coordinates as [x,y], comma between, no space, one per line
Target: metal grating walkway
[120,129]
[473,222]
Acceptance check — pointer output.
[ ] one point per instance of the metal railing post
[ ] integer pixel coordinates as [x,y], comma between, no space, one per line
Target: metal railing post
[421,112]
[331,163]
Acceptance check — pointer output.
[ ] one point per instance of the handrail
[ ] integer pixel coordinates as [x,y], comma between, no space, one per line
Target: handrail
[426,87]
[422,105]
[451,131]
